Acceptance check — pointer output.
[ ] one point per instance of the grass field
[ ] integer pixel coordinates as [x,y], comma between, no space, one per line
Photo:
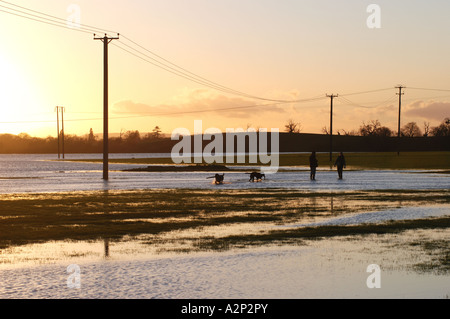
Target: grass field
[407,160]
[207,220]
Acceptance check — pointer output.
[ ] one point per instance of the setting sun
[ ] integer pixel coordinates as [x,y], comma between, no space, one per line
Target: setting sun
[229,52]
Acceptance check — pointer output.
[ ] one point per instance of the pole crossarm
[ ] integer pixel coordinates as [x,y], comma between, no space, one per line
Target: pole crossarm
[106,38]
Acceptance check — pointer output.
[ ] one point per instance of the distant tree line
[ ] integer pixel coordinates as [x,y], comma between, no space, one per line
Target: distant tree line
[411,129]
[155,142]
[127,142]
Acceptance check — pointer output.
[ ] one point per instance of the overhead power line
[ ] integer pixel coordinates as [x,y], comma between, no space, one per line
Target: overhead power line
[156,60]
[351,103]
[137,50]
[141,52]
[178,70]
[48,19]
[149,114]
[182,72]
[366,92]
[427,89]
[46,22]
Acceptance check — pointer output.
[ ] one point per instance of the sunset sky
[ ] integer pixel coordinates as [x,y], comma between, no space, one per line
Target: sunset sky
[289,50]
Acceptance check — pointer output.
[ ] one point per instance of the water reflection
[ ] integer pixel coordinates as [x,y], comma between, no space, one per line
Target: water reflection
[150,224]
[106,245]
[332,205]
[106,211]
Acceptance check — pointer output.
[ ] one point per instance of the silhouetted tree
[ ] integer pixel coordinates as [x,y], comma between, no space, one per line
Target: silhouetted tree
[369,129]
[426,129]
[91,136]
[374,128]
[443,129]
[24,136]
[132,136]
[293,127]
[384,131]
[157,132]
[411,130]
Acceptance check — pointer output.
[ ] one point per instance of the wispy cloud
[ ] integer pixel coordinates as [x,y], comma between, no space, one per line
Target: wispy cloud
[199,101]
[430,110]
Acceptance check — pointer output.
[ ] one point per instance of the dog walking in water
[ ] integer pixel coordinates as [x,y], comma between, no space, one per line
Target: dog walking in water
[256,177]
[218,179]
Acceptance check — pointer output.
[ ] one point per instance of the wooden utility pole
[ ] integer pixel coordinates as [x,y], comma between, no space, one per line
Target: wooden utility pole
[106,40]
[400,93]
[57,130]
[60,133]
[332,97]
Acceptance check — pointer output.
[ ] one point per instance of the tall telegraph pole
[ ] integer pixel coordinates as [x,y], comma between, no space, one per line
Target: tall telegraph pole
[57,130]
[332,97]
[400,93]
[60,133]
[106,40]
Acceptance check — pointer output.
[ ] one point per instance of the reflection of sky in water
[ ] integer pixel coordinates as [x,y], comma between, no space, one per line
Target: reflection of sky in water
[404,213]
[320,269]
[34,173]
[326,268]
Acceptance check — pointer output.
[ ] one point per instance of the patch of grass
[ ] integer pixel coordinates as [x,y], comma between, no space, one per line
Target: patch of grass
[439,252]
[28,218]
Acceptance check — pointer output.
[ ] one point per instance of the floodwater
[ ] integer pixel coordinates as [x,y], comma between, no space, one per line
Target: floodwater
[131,268]
[41,173]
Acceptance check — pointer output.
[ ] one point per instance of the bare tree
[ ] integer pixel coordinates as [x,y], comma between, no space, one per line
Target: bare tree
[325,130]
[370,128]
[122,133]
[443,129]
[349,133]
[426,129]
[293,127]
[374,128]
[411,130]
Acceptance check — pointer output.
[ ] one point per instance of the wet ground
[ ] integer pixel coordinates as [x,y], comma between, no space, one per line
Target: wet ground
[162,235]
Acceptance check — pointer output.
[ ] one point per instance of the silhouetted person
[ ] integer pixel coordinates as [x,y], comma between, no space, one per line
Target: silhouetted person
[313,164]
[340,163]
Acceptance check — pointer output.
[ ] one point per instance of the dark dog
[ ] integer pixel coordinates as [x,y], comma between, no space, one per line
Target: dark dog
[256,176]
[218,179]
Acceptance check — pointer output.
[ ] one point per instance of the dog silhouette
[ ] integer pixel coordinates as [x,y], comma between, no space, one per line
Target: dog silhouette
[218,179]
[255,176]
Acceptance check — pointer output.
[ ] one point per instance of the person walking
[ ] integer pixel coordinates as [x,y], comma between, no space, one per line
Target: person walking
[313,164]
[341,164]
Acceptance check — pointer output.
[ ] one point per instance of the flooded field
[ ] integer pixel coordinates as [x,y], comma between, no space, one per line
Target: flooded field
[43,174]
[162,235]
